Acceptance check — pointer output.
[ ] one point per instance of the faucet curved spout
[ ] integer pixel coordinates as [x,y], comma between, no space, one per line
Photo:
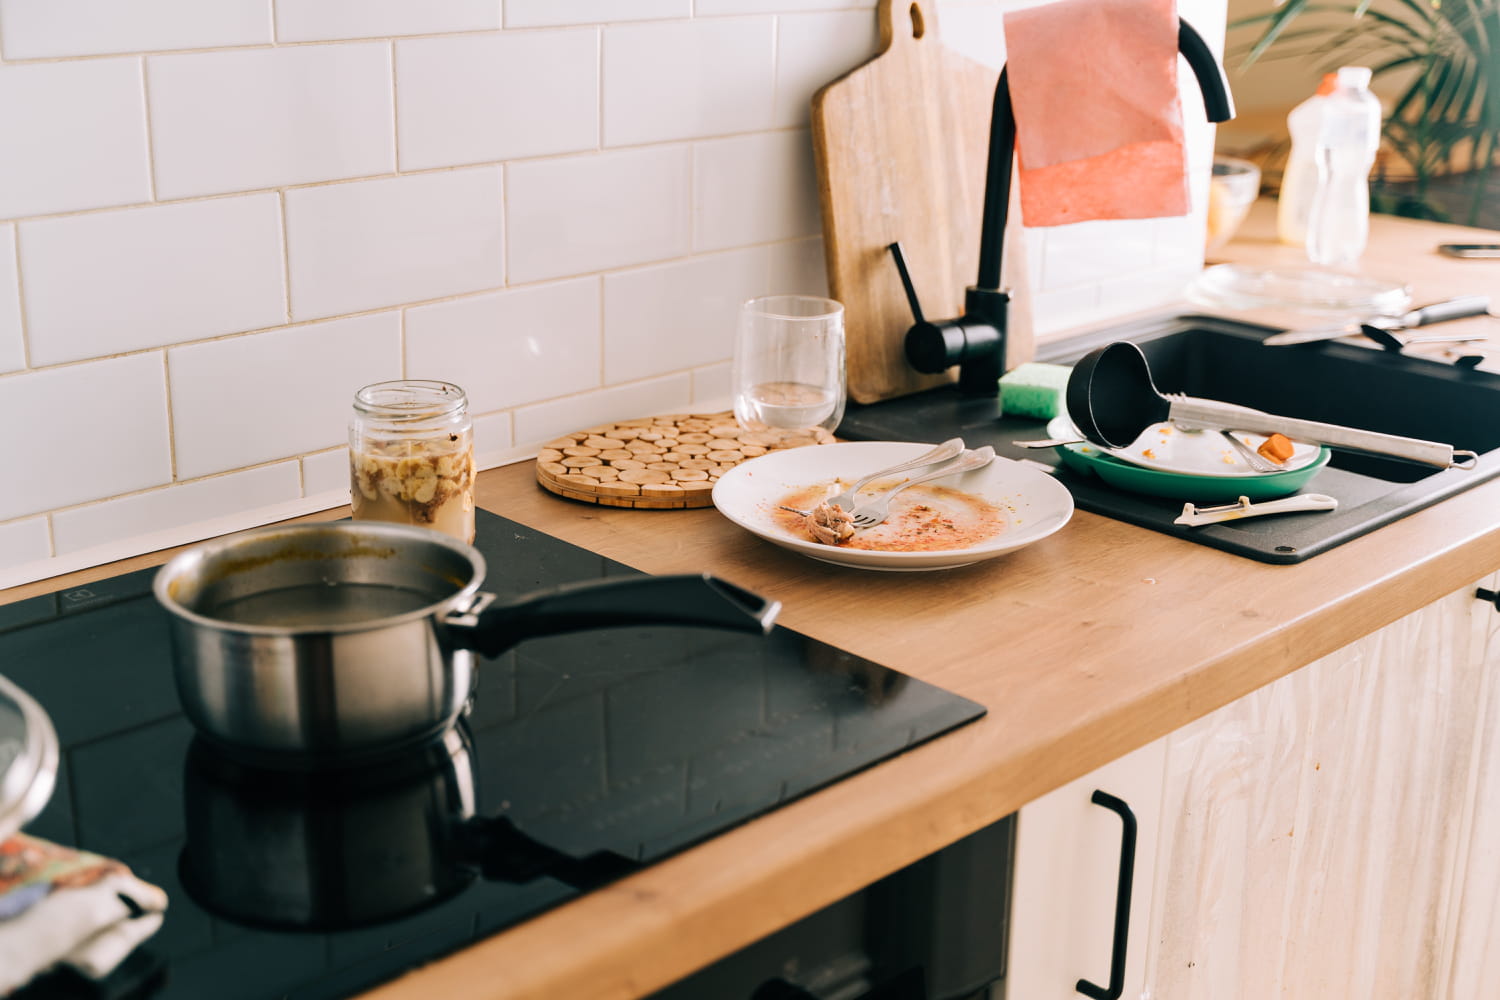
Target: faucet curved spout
[976,340]
[1218,106]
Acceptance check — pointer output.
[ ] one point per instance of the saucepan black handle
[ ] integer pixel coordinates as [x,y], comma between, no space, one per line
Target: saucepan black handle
[687,599]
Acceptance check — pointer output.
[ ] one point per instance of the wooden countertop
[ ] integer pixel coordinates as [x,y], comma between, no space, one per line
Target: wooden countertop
[1083,647]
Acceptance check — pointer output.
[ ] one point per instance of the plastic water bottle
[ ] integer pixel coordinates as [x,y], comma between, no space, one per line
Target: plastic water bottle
[1347,142]
[1300,181]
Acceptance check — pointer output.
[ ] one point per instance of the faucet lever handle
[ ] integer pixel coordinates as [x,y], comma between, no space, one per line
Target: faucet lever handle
[911,291]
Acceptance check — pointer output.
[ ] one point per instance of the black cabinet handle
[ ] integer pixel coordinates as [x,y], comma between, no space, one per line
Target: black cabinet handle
[1122,901]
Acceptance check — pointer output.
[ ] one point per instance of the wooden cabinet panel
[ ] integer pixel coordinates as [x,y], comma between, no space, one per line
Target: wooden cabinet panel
[1473,967]
[1317,827]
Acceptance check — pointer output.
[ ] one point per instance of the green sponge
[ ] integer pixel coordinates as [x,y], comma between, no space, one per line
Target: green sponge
[1034,390]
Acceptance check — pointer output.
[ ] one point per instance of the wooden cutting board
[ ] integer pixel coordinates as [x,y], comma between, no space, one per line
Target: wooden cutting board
[901,145]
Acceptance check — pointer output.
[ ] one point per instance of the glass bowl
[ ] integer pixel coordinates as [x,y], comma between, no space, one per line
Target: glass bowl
[1232,190]
[28,758]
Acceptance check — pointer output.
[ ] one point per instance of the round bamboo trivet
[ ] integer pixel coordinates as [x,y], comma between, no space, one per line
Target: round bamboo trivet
[661,463]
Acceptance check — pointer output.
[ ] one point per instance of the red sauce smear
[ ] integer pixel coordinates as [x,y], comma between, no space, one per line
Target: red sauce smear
[925,518]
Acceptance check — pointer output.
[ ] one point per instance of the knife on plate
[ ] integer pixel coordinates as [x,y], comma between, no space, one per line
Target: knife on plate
[1438,312]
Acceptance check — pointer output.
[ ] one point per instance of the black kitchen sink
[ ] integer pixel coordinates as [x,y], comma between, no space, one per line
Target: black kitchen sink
[1223,359]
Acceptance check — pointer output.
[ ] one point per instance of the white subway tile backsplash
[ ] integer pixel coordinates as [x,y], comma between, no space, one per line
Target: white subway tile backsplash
[538,13]
[84,432]
[676,316]
[237,121]
[589,213]
[711,386]
[494,441]
[1144,291]
[977,32]
[707,8]
[511,347]
[159,510]
[535,424]
[369,244]
[685,80]
[325,472]
[1180,241]
[12,348]
[588,190]
[754,189]
[74,136]
[24,541]
[478,98]
[1053,312]
[799,268]
[313,20]
[254,399]
[144,277]
[1090,252]
[815,49]
[35,29]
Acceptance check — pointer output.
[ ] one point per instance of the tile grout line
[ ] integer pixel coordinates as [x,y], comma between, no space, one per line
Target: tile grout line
[15,237]
[166,378]
[395,116]
[167,487]
[603,332]
[510,411]
[423,303]
[571,154]
[150,132]
[286,262]
[274,42]
[599,90]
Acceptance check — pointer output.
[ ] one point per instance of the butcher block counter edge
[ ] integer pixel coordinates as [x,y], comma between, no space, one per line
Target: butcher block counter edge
[1083,647]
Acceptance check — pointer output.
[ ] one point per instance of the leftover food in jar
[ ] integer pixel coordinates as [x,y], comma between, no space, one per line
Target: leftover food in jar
[424,482]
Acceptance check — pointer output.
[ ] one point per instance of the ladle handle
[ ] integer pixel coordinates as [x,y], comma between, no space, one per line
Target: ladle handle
[1193,412]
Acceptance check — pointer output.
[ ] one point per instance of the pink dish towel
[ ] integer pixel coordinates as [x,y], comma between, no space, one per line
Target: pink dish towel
[1098,118]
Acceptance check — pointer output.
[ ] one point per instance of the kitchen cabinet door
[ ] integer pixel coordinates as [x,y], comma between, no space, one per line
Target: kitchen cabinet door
[1473,959]
[1068,855]
[1315,828]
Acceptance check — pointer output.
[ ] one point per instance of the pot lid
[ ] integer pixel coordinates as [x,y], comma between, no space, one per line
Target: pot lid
[28,758]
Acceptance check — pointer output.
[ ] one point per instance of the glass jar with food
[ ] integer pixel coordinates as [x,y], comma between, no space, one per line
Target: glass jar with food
[411,456]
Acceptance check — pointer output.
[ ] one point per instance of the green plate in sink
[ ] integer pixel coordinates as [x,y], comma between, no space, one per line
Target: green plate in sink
[1088,459]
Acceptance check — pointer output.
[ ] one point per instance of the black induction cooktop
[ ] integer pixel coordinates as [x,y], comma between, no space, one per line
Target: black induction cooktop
[582,758]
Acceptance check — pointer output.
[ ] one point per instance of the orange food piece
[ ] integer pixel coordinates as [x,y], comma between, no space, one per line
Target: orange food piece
[1276,447]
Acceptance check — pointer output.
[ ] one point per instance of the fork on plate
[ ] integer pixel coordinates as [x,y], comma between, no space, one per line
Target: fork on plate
[1255,459]
[948,449]
[879,509]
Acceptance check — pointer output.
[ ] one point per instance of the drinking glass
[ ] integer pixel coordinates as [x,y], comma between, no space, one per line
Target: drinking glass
[788,375]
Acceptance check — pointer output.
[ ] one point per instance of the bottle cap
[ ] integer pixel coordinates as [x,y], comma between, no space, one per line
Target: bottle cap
[1328,84]
[1354,77]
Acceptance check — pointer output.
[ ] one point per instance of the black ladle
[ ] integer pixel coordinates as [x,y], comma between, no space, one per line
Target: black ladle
[1111,399]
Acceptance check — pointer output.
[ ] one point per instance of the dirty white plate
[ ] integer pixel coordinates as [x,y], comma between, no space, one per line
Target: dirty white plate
[1169,448]
[1031,502]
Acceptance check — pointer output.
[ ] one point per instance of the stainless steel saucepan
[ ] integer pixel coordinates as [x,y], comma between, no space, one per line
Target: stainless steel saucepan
[331,642]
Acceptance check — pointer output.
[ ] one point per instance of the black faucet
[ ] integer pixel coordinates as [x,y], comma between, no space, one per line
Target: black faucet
[976,340]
